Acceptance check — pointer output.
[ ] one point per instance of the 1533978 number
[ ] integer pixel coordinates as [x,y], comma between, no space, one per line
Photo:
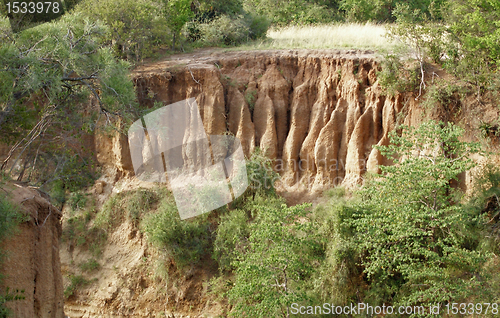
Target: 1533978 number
[33,7]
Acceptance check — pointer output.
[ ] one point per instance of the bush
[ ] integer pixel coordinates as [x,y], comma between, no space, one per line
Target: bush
[232,233]
[261,175]
[283,13]
[134,203]
[75,283]
[10,217]
[185,241]
[89,265]
[273,270]
[395,77]
[339,278]
[258,26]
[225,30]
[415,239]
[78,229]
[137,28]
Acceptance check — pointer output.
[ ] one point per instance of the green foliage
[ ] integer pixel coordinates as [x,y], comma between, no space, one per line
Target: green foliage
[57,193]
[9,296]
[485,199]
[48,74]
[396,77]
[474,23]
[177,13]
[78,200]
[415,238]
[134,203]
[251,98]
[137,28]
[464,38]
[218,7]
[339,278]
[232,233]
[226,30]
[78,229]
[139,202]
[282,13]
[261,175]
[89,265]
[443,93]
[10,217]
[383,10]
[76,281]
[271,271]
[185,241]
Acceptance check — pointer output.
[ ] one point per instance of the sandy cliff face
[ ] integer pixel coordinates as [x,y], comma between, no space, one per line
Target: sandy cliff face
[32,263]
[317,113]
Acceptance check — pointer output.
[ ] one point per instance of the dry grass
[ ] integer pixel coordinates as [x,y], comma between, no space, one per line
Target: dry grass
[334,36]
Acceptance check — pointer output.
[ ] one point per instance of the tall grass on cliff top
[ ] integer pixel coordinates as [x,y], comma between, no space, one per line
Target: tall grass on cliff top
[331,36]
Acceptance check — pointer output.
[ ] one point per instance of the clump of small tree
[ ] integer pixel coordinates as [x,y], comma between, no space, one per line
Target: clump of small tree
[409,232]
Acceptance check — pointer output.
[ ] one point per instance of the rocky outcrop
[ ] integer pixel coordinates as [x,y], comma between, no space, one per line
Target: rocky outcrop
[32,257]
[316,113]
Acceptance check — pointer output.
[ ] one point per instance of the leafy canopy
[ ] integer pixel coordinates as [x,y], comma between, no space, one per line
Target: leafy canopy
[410,229]
[48,73]
[271,271]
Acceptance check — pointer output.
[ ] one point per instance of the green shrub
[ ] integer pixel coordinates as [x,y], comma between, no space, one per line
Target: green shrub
[76,281]
[128,204]
[251,98]
[339,277]
[10,217]
[273,270]
[58,193]
[78,200]
[137,28]
[89,265]
[261,175]
[283,13]
[415,240]
[139,202]
[232,233]
[225,30]
[185,241]
[78,229]
[107,216]
[258,26]
[396,77]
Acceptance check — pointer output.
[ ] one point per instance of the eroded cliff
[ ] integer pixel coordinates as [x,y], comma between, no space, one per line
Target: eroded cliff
[316,113]
[32,260]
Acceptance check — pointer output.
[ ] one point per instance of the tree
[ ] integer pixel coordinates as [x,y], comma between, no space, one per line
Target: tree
[136,28]
[411,231]
[271,271]
[177,13]
[49,73]
[383,10]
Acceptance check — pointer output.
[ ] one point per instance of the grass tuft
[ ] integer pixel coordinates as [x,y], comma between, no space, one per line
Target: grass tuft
[329,36]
